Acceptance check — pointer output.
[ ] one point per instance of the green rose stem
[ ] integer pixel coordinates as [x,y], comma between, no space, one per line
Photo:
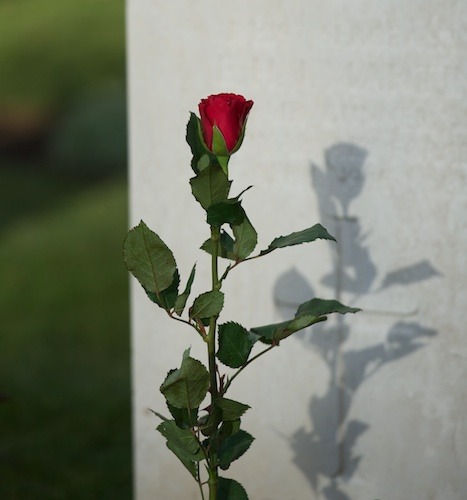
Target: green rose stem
[211,341]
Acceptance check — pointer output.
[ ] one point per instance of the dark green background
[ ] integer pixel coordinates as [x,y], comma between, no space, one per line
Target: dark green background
[65,429]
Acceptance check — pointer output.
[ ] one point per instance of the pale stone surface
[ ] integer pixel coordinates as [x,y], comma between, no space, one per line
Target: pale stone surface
[359,123]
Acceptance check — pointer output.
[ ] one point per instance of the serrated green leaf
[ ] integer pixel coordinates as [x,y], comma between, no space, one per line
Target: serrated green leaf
[230,212]
[308,313]
[234,345]
[279,331]
[233,447]
[180,301]
[229,489]
[254,337]
[187,386]
[149,259]
[183,438]
[203,162]
[225,246]
[192,138]
[228,428]
[299,323]
[166,299]
[184,418]
[231,410]
[321,307]
[268,331]
[210,186]
[201,158]
[245,239]
[207,305]
[299,237]
[190,465]
[183,444]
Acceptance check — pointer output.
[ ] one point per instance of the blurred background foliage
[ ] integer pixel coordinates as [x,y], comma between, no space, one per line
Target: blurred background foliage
[64,340]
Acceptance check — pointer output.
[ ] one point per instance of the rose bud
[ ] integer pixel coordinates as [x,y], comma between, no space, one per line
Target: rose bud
[223,121]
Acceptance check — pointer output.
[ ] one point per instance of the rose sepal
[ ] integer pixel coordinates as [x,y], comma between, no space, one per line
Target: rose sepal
[219,148]
[224,164]
[240,139]
[224,160]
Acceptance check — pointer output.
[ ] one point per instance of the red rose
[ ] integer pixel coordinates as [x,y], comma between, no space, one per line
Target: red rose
[223,120]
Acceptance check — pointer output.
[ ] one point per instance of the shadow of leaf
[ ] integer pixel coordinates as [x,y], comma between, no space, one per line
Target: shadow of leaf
[411,274]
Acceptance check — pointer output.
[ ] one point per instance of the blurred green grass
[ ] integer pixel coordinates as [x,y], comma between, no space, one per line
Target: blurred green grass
[64,355]
[65,426]
[52,50]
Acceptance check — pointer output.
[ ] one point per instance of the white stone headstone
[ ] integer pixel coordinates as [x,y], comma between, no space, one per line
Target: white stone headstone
[360,123]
